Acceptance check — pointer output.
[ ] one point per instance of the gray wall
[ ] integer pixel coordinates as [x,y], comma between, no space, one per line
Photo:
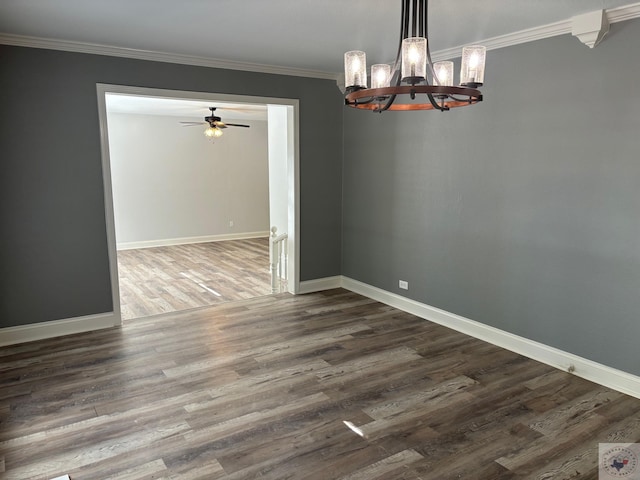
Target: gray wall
[522,212]
[53,249]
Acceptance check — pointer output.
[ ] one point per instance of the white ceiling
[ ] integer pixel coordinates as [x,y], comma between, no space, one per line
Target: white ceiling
[189,110]
[304,34]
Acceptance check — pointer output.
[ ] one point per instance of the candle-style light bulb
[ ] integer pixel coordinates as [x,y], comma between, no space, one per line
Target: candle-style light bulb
[472,67]
[380,75]
[355,69]
[414,59]
[444,73]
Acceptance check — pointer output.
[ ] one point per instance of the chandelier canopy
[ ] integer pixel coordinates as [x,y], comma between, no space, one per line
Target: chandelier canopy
[413,74]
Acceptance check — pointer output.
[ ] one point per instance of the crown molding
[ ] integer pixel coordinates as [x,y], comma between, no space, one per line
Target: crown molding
[510,39]
[590,28]
[614,15]
[97,49]
[621,14]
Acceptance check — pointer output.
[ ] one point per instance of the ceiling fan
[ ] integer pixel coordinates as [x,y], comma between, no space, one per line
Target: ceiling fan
[215,124]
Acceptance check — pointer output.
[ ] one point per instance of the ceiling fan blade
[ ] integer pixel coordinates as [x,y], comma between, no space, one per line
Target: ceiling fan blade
[192,124]
[237,125]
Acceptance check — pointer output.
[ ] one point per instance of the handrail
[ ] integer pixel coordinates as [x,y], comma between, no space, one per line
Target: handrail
[278,255]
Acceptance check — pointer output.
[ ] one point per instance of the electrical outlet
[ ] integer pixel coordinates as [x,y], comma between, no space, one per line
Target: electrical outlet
[231,223]
[403,285]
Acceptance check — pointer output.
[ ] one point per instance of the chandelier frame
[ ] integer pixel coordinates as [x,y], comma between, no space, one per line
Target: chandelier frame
[414,23]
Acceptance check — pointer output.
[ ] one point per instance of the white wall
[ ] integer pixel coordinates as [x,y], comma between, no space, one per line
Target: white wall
[279,151]
[171,183]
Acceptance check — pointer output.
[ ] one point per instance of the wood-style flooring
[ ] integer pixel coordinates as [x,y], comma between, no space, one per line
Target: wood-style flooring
[179,277]
[322,386]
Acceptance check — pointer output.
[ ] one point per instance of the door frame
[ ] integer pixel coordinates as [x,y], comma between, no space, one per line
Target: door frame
[293,183]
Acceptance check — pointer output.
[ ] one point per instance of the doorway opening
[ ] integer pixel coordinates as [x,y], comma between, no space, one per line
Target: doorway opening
[202,219]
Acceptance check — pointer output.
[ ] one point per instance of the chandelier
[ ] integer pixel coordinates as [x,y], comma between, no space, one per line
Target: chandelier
[413,74]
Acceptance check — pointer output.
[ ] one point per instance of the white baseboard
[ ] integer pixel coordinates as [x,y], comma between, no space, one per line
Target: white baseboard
[595,372]
[186,240]
[320,284]
[56,328]
[607,376]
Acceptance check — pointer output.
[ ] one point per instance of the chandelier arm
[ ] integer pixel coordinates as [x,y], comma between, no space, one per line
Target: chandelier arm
[404,30]
[432,71]
[405,22]
[435,104]
[404,25]
[469,99]
[364,101]
[390,101]
[424,12]
[414,19]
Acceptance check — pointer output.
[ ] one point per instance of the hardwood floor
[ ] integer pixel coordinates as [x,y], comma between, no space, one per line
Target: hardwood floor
[323,386]
[168,279]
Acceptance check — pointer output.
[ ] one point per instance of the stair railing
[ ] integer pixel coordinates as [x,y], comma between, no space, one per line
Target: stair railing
[278,253]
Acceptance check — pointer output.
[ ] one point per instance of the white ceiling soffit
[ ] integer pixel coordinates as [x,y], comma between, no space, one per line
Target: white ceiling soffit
[335,28]
[183,108]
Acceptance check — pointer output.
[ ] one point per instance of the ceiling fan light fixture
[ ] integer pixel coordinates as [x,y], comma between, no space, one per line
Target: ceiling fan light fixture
[429,86]
[214,124]
[213,132]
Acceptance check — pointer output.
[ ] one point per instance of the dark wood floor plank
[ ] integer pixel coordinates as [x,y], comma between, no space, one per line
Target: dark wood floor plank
[316,387]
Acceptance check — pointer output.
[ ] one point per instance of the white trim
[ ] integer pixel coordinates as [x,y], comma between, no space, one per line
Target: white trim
[590,28]
[582,367]
[154,56]
[57,328]
[320,284]
[109,215]
[614,15]
[188,240]
[293,180]
[624,13]
[515,38]
[293,207]
[609,377]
